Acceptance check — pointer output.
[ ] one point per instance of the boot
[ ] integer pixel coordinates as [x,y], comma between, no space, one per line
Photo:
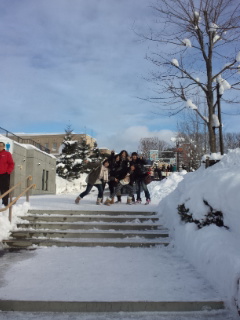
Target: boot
[129,200]
[107,202]
[133,200]
[77,200]
[98,201]
[119,200]
[112,200]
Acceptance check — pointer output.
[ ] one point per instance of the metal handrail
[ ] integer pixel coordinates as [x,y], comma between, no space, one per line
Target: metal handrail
[12,202]
[16,138]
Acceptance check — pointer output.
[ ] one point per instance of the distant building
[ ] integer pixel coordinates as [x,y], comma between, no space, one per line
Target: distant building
[105,151]
[53,141]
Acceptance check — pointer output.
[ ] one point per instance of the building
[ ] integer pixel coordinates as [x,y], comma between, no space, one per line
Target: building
[105,151]
[53,141]
[31,161]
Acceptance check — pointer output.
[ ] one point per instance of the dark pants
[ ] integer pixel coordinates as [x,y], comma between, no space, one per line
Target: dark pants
[89,188]
[4,186]
[119,188]
[112,185]
[142,186]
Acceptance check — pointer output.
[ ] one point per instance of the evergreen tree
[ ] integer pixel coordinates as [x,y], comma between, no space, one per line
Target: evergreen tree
[83,155]
[96,154]
[68,164]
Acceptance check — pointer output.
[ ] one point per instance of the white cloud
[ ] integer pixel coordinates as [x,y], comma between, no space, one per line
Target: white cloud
[76,62]
[130,137]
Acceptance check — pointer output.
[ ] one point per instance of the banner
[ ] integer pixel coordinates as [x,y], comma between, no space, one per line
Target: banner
[153,155]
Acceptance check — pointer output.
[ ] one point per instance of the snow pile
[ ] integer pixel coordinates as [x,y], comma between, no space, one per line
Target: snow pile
[191,105]
[215,121]
[160,190]
[65,186]
[175,62]
[212,156]
[224,85]
[187,43]
[214,251]
[5,225]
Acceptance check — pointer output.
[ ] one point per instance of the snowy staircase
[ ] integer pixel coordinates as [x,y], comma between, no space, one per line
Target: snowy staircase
[102,228]
[88,229]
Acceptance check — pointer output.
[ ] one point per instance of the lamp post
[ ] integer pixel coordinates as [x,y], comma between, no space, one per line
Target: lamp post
[220,119]
[177,140]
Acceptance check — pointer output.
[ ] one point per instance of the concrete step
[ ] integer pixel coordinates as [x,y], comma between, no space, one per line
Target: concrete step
[88,229]
[111,306]
[87,234]
[95,212]
[133,243]
[121,219]
[89,226]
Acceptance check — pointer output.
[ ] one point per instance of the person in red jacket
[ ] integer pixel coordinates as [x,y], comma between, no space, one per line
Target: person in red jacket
[6,167]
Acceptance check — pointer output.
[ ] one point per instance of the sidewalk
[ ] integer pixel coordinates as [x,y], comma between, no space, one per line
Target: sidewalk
[101,274]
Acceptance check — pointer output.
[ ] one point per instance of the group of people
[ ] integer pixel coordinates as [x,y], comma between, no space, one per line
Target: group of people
[119,171]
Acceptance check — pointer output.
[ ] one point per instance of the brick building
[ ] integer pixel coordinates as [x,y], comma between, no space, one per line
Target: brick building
[53,141]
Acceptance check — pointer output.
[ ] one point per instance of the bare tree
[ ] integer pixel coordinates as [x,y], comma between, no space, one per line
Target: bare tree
[194,132]
[198,43]
[153,143]
[231,140]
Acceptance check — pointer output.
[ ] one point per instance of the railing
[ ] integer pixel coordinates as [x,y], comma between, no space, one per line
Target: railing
[12,202]
[16,138]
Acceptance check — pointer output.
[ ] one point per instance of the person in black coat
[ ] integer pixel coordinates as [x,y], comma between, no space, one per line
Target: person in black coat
[124,163]
[114,171]
[141,173]
[126,177]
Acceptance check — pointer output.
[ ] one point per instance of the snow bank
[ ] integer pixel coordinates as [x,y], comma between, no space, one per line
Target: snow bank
[214,251]
[65,186]
[5,225]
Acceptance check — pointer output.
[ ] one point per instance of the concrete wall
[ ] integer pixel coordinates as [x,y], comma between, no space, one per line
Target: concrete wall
[41,166]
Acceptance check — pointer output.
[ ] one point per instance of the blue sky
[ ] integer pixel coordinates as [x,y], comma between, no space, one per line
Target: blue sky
[77,62]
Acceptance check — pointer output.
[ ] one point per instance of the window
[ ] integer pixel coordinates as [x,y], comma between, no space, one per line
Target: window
[45,176]
[43,179]
[54,146]
[46,181]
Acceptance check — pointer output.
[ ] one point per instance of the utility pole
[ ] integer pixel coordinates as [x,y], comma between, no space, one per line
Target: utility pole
[220,119]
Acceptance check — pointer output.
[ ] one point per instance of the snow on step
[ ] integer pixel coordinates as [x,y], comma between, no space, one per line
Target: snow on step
[88,228]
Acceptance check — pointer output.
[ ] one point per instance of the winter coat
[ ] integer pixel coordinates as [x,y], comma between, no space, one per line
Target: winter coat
[124,164]
[140,170]
[94,174]
[111,160]
[115,170]
[6,162]
[121,169]
[132,175]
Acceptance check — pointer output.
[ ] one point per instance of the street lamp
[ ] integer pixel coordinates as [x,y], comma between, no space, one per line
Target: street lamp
[219,95]
[177,140]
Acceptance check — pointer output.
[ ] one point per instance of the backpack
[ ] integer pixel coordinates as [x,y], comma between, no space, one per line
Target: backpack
[147,179]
